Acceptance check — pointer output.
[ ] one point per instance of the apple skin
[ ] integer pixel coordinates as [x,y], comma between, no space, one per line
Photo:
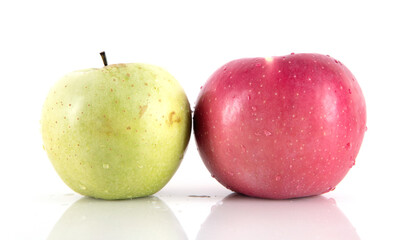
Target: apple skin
[116,132]
[280,127]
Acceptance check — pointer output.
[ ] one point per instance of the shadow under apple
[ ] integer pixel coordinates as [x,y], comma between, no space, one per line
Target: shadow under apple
[240,217]
[141,218]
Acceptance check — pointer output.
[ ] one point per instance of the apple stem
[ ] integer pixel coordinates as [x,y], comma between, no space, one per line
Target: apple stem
[104,58]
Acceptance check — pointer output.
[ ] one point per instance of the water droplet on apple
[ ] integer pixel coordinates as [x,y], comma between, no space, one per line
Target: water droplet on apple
[277,178]
[353,161]
[82,187]
[106,165]
[292,53]
[253,108]
[348,146]
[213,176]
[249,97]
[258,64]
[350,91]
[243,148]
[139,165]
[267,133]
[365,128]
[331,189]
[201,87]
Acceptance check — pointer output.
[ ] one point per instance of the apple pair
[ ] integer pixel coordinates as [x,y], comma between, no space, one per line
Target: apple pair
[278,127]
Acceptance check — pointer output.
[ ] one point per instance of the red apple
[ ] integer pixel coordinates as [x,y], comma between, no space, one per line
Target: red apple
[280,127]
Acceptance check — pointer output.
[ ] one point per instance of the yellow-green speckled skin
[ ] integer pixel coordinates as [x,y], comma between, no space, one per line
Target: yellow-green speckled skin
[117,132]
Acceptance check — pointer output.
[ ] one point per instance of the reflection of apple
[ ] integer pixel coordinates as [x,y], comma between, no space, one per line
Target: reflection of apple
[116,132]
[143,218]
[280,127]
[239,217]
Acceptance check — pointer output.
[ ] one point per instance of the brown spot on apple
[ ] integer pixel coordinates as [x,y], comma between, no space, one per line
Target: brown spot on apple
[143,109]
[173,117]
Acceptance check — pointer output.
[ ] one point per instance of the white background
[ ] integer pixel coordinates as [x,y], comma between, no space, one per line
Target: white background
[43,40]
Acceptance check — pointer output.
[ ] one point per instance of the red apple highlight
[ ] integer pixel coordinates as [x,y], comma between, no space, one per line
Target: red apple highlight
[280,127]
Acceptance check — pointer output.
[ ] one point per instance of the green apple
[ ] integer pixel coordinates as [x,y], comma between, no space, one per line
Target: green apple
[116,132]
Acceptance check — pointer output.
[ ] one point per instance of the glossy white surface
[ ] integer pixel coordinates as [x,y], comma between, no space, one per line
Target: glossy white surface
[42,40]
[217,215]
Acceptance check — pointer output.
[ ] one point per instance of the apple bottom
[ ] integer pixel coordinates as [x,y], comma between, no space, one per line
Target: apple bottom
[277,174]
